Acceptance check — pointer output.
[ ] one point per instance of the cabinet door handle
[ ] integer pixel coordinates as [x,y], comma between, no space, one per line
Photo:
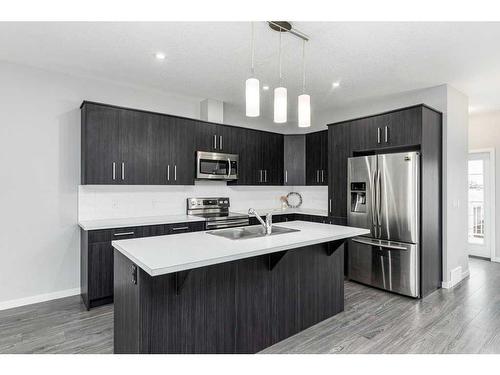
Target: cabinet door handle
[322,175]
[123,234]
[168,172]
[317,175]
[180,228]
[134,274]
[175,172]
[114,171]
[378,135]
[386,135]
[286,176]
[265,174]
[220,142]
[215,142]
[330,205]
[123,171]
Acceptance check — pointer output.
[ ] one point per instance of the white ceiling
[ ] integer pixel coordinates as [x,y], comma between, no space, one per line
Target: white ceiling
[212,60]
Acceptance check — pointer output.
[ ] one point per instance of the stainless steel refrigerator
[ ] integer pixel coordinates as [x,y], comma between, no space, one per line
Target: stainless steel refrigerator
[384,197]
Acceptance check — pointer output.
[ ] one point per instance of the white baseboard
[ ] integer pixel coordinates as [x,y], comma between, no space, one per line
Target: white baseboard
[450,284]
[38,298]
[495,259]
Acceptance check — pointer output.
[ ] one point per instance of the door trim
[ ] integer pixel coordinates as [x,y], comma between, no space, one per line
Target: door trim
[491,152]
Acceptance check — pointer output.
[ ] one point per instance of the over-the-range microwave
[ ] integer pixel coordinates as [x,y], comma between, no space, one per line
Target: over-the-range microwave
[216,166]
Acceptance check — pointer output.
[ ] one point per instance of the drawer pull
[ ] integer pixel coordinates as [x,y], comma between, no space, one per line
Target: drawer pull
[180,228]
[123,234]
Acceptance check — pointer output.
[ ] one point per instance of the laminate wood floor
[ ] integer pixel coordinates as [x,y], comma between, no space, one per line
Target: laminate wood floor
[465,319]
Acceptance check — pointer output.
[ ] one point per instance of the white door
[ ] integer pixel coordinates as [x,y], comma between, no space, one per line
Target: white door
[480,204]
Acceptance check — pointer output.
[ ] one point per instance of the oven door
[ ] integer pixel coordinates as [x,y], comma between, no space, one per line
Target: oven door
[216,166]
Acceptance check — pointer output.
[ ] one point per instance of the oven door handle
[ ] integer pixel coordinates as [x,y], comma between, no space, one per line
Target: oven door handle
[378,244]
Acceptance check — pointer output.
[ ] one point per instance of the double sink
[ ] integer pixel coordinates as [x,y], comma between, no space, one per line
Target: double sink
[256,231]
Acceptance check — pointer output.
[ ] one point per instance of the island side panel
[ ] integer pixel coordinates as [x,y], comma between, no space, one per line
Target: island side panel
[126,307]
[234,307]
[131,307]
[321,284]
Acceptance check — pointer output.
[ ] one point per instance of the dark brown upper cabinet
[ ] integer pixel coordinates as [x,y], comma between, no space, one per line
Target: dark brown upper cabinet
[387,130]
[261,158]
[317,158]
[126,146]
[400,128]
[218,138]
[100,145]
[294,153]
[272,158]
[114,145]
[339,149]
[182,151]
[172,156]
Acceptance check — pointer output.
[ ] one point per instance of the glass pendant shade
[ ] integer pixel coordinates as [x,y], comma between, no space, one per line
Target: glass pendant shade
[280,102]
[252,93]
[304,111]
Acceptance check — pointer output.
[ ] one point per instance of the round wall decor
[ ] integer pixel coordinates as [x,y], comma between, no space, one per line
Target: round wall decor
[294,199]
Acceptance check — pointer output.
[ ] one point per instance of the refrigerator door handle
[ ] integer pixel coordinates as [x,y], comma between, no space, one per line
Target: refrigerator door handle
[379,201]
[378,244]
[374,205]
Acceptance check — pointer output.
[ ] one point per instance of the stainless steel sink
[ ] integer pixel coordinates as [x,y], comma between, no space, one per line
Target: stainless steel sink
[254,231]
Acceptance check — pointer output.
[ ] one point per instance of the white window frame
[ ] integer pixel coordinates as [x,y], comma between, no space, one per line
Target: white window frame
[491,152]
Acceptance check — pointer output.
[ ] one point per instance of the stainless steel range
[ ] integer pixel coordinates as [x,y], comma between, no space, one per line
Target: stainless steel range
[216,213]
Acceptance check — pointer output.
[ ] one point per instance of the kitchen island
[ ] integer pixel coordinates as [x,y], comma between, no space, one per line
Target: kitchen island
[201,293]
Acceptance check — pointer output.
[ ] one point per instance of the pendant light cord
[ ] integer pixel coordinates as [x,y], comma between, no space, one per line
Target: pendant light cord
[253,48]
[304,67]
[281,80]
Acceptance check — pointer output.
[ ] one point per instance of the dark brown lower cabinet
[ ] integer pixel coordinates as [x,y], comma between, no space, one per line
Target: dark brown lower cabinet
[242,306]
[96,256]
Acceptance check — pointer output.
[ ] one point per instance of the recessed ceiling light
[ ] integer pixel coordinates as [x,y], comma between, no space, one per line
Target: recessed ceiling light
[160,56]
[265,87]
[335,84]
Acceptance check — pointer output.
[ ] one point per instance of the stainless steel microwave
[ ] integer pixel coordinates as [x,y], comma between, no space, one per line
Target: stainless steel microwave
[216,166]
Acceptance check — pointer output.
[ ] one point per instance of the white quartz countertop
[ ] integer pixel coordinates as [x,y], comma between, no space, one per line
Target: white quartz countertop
[136,221]
[281,211]
[166,254]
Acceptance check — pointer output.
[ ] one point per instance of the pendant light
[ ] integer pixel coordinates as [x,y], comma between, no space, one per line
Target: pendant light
[304,100]
[280,96]
[252,87]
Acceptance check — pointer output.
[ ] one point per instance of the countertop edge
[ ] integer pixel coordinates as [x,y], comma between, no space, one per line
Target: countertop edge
[88,227]
[214,261]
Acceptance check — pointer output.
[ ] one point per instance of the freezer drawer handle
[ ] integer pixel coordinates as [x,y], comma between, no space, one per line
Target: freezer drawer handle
[180,228]
[392,247]
[123,234]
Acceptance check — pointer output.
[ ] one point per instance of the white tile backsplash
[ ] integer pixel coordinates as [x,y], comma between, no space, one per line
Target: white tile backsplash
[110,201]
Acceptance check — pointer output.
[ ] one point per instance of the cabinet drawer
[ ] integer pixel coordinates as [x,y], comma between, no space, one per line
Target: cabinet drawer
[184,227]
[107,235]
[154,230]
